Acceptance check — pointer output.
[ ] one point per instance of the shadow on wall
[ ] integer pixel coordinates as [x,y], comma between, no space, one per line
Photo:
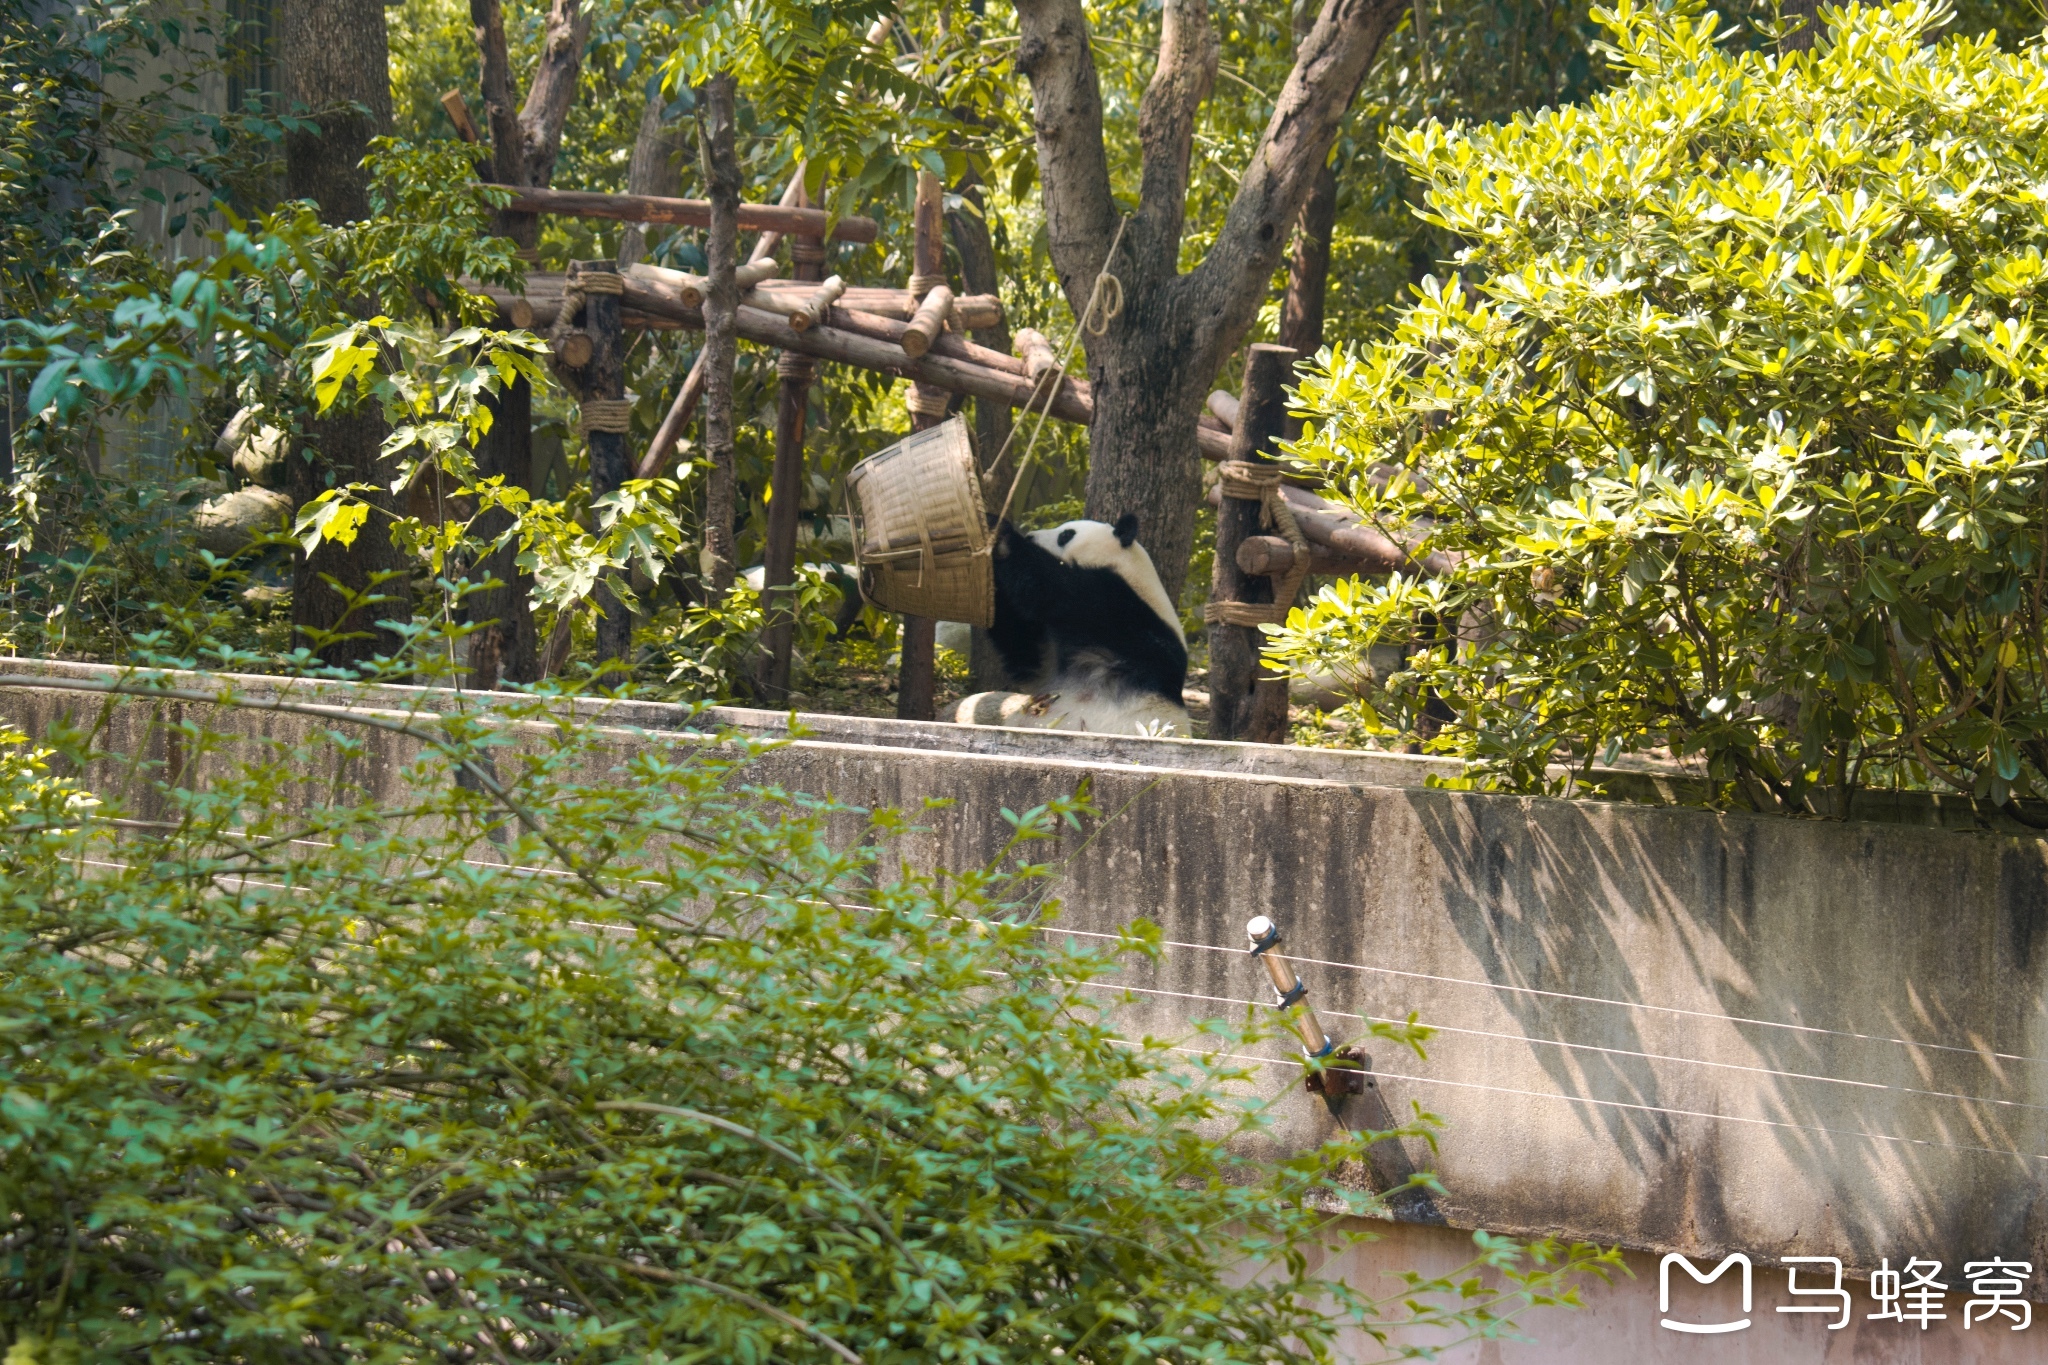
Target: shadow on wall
[1733,1012]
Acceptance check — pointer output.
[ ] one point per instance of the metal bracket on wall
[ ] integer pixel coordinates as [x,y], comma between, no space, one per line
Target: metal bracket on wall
[1331,1071]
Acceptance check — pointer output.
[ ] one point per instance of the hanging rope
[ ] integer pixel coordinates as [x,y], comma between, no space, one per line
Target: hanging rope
[1260,483]
[1105,305]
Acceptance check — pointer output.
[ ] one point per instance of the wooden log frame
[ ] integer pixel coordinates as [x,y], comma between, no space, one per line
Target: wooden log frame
[535,306]
[851,336]
[655,208]
[928,323]
[1246,700]
[1340,543]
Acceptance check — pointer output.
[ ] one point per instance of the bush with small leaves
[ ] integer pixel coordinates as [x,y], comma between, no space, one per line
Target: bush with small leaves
[575,1050]
[1733,416]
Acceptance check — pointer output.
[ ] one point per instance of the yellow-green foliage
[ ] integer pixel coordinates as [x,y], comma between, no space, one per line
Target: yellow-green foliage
[1733,412]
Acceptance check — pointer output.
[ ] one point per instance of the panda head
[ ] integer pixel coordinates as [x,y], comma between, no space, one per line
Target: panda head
[1099,545]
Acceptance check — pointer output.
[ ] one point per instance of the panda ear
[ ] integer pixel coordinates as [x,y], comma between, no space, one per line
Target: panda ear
[1126,529]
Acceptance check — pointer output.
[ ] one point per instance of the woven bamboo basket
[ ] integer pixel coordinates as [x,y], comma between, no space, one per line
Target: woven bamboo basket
[920,532]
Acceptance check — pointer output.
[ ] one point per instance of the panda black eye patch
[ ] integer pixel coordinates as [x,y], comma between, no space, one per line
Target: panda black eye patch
[1066,536]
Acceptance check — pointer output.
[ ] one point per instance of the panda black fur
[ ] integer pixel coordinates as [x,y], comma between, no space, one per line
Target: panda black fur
[1085,632]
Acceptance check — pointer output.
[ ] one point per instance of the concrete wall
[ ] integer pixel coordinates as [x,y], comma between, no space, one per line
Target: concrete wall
[1665,1028]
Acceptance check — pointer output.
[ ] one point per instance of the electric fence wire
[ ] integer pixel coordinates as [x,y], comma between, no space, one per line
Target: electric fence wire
[1523,1039]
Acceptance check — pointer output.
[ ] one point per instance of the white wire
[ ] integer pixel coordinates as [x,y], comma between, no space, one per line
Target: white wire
[1524,1038]
[1619,1104]
[1979,1053]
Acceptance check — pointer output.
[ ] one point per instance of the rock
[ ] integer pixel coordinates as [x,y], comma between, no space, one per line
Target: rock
[263,599]
[255,449]
[226,524]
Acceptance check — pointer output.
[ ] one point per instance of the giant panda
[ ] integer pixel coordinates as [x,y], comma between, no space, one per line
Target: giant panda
[1087,635]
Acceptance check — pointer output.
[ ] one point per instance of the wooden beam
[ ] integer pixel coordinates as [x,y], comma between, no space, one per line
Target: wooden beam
[543,293]
[655,208]
[1273,557]
[1340,542]
[853,338]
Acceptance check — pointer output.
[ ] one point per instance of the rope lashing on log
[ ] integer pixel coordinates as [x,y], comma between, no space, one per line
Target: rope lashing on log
[606,414]
[588,282]
[1260,483]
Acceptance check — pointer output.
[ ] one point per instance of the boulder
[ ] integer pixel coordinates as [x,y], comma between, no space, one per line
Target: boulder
[226,524]
[255,449]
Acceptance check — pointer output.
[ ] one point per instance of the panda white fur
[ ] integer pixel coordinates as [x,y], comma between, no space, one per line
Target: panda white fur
[1088,638]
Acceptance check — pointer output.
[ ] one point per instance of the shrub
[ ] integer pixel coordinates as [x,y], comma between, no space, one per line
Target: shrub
[567,1055]
[1734,414]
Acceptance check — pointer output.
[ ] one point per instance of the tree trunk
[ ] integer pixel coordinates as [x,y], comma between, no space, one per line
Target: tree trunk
[508,158]
[977,252]
[526,141]
[1308,271]
[553,89]
[1803,39]
[1154,363]
[333,54]
[506,648]
[649,172]
[715,142]
[1308,275]
[786,486]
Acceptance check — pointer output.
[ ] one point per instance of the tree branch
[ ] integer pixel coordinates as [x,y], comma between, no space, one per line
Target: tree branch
[1228,287]
[1188,55]
[1073,168]
[553,89]
[508,161]
[649,172]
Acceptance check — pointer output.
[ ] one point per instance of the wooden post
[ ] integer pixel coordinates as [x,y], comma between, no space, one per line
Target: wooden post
[786,488]
[605,421]
[916,684]
[1244,701]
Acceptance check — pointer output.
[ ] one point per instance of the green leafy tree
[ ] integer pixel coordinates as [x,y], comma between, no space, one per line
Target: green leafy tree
[559,1054]
[1733,417]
